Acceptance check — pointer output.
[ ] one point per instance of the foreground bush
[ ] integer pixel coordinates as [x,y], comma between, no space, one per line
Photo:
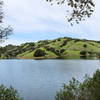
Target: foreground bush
[89,89]
[9,93]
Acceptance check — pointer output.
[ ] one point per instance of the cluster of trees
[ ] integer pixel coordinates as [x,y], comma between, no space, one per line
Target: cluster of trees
[89,89]
[65,41]
[56,51]
[42,43]
[39,53]
[11,51]
[26,47]
[84,52]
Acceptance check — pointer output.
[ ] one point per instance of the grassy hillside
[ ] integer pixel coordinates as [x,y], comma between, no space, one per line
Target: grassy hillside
[57,48]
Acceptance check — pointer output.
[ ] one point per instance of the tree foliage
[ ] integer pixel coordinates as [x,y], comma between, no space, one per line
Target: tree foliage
[39,53]
[8,93]
[89,89]
[85,46]
[83,53]
[4,32]
[78,11]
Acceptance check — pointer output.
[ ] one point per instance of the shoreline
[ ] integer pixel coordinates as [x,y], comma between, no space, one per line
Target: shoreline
[63,57]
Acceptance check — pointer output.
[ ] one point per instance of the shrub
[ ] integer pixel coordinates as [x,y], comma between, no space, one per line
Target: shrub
[84,45]
[62,50]
[39,53]
[83,53]
[8,93]
[89,89]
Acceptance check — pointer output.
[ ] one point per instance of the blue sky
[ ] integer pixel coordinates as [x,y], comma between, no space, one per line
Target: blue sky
[35,20]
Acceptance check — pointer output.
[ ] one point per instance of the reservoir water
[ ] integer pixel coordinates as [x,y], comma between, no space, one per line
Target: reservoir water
[40,79]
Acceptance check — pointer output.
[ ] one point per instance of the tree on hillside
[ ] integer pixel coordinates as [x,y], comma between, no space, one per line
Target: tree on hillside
[4,32]
[39,53]
[85,46]
[78,11]
[83,53]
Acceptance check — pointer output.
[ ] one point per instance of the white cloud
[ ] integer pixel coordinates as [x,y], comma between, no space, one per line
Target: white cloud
[32,14]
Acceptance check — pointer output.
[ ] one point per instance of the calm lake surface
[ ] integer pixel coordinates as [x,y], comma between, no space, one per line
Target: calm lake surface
[40,79]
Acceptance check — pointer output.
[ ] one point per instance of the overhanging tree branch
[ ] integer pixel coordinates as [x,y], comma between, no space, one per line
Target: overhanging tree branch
[4,32]
[79,9]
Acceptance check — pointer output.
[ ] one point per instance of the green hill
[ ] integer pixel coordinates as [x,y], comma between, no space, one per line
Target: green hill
[57,48]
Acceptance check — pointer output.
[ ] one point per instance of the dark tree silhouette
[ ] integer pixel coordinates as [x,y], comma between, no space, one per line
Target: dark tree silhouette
[39,53]
[84,45]
[83,53]
[4,32]
[78,11]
